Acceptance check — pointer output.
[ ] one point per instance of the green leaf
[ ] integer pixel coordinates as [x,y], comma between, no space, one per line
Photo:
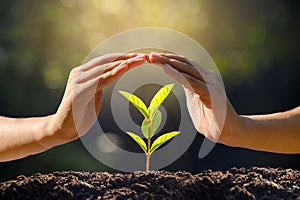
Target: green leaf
[155,122]
[162,139]
[160,96]
[152,110]
[137,102]
[138,140]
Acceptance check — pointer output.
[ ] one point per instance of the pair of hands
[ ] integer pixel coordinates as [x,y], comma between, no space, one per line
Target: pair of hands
[86,82]
[277,132]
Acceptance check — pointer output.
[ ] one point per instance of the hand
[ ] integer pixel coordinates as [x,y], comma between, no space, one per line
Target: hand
[77,112]
[200,84]
[82,99]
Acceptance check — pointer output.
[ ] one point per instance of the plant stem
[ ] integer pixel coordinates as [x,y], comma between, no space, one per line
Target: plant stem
[148,154]
[147,163]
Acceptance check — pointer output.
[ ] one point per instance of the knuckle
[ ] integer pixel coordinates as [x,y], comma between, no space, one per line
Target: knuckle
[101,78]
[74,73]
[75,70]
[183,58]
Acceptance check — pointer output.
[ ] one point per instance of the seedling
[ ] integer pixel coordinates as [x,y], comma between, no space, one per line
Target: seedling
[151,122]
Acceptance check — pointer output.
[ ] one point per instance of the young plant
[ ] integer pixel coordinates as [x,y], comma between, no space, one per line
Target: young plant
[151,122]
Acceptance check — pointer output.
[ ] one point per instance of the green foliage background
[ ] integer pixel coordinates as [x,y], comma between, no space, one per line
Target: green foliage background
[254,43]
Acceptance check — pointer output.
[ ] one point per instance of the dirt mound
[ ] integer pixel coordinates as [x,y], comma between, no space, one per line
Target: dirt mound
[253,183]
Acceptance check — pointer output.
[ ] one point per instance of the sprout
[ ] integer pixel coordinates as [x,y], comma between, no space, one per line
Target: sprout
[151,122]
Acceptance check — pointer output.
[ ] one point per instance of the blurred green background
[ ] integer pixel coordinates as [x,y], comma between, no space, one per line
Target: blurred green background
[254,43]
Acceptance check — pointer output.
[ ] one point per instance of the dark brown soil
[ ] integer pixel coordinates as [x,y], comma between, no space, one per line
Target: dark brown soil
[253,183]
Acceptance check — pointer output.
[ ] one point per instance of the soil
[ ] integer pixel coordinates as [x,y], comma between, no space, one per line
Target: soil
[253,183]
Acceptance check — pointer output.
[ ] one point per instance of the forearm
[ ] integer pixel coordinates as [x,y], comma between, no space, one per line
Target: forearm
[21,137]
[278,132]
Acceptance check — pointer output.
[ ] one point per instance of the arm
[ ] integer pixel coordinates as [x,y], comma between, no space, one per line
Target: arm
[26,136]
[278,132]
[21,137]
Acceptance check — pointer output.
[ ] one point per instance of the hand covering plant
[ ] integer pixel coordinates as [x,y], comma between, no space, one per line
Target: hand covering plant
[151,122]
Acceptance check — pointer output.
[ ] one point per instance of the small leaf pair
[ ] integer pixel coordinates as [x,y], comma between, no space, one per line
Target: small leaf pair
[157,143]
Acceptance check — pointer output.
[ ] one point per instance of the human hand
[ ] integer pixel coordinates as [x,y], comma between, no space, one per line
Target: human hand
[199,83]
[82,99]
[79,108]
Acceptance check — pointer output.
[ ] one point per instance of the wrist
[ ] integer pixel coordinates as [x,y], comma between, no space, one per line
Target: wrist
[233,134]
[45,132]
[246,127]
[42,126]
[63,127]
[234,129]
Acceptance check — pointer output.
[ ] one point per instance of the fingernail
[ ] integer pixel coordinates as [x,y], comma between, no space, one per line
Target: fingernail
[155,57]
[147,56]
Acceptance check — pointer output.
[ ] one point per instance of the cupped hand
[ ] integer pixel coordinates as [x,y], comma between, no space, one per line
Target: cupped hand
[83,95]
[200,85]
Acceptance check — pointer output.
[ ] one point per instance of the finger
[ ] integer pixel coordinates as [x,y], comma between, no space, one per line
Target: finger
[112,75]
[199,88]
[106,59]
[202,70]
[190,83]
[136,61]
[176,75]
[99,70]
[96,84]
[177,64]
[96,71]
[137,58]
[196,66]
[174,56]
